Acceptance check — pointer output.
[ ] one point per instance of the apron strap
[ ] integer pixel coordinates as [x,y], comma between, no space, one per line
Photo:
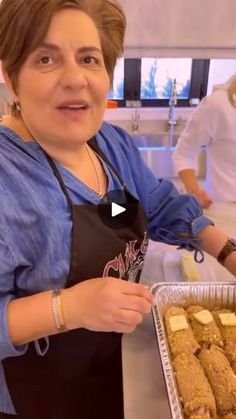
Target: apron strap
[59,178]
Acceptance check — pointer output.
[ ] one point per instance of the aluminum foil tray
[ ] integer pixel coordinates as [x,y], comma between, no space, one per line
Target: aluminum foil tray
[210,295]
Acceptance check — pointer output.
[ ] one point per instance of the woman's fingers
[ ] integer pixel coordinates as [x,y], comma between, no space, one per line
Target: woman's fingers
[137,290]
[135,303]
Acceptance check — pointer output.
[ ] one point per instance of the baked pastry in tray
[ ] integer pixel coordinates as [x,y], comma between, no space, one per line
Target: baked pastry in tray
[205,329]
[179,333]
[221,378]
[228,333]
[194,389]
[180,339]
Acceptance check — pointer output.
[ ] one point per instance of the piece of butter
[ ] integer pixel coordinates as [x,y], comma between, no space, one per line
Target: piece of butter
[189,268]
[203,316]
[227,319]
[178,323]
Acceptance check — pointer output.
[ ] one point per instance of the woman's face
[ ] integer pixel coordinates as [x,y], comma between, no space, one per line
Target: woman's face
[63,84]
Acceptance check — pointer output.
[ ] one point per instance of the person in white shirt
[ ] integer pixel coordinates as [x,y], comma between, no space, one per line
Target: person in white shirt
[213,125]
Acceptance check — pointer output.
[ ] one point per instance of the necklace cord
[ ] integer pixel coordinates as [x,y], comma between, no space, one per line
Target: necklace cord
[99,193]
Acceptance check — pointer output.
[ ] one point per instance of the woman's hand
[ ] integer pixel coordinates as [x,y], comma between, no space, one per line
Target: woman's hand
[203,198]
[190,181]
[106,304]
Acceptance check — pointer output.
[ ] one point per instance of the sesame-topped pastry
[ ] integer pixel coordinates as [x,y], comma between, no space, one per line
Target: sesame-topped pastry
[179,332]
[221,378]
[195,391]
[230,352]
[226,321]
[205,329]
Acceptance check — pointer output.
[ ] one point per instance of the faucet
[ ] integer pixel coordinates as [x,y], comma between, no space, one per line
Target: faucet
[135,120]
[171,117]
[172,104]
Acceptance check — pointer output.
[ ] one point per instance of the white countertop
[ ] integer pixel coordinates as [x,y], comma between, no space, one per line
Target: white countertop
[144,388]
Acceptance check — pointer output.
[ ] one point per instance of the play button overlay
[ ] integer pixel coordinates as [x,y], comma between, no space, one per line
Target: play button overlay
[118,209]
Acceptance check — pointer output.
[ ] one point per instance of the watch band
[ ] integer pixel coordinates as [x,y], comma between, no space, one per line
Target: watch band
[228,248]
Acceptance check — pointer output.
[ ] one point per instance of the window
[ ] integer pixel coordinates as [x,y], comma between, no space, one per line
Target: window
[117,91]
[220,71]
[149,80]
[157,77]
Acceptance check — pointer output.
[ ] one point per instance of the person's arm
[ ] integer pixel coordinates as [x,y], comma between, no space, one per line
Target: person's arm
[100,304]
[212,241]
[30,318]
[177,219]
[189,179]
[199,131]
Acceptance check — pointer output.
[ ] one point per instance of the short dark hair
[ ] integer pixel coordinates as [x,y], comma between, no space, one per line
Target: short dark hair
[24,24]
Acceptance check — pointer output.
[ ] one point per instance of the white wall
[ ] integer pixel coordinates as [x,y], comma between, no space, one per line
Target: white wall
[184,28]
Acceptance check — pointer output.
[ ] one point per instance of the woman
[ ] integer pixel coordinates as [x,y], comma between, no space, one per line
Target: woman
[213,125]
[62,269]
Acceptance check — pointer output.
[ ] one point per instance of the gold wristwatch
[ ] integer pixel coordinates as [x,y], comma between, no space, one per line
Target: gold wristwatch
[229,247]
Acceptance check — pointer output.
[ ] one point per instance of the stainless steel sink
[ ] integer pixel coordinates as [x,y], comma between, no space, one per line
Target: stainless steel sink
[160,161]
[156,141]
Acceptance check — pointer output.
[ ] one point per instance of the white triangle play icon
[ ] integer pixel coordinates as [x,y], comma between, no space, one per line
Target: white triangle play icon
[116,209]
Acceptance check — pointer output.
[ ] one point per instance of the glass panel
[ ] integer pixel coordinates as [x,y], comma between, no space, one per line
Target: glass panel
[118,84]
[219,72]
[157,76]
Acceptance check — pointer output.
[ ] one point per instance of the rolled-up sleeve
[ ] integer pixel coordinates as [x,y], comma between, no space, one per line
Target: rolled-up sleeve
[175,218]
[7,349]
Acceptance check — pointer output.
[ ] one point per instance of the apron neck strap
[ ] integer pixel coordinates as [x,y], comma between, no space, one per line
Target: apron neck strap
[59,178]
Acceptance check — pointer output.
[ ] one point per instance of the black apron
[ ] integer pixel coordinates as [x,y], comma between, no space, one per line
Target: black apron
[80,376]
